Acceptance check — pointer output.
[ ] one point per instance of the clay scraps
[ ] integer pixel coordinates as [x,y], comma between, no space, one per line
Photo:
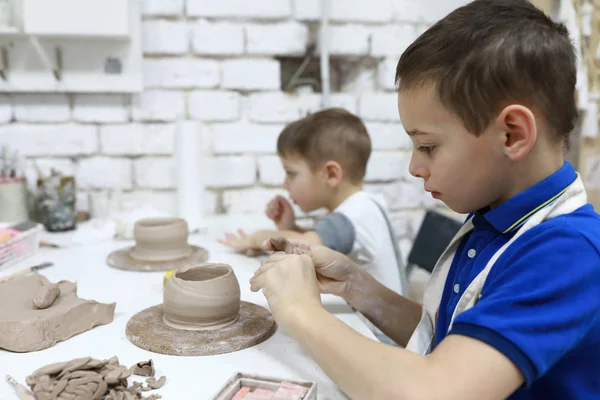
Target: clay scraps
[89,379]
[286,391]
[143,368]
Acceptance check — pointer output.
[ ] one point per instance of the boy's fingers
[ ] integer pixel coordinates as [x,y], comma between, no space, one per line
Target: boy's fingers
[279,243]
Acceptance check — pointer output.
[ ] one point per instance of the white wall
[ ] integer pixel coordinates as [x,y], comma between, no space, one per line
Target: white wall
[213,61]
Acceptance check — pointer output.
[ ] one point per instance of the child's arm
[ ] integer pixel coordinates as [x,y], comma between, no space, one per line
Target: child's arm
[251,244]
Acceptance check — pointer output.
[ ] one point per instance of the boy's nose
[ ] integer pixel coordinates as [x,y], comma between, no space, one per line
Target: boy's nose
[416,168]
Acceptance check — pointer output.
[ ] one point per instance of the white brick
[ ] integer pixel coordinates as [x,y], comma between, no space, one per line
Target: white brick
[273,107]
[154,172]
[104,173]
[379,107]
[51,140]
[137,139]
[214,105]
[41,108]
[162,8]
[245,138]
[410,10]
[165,37]
[361,10]
[401,195]
[44,165]
[163,201]
[158,105]
[181,73]
[349,40]
[270,170]
[386,73]
[392,40]
[251,74]
[307,9]
[388,136]
[311,102]
[230,171]
[387,166]
[263,9]
[230,38]
[6,111]
[248,200]
[100,108]
[346,10]
[285,38]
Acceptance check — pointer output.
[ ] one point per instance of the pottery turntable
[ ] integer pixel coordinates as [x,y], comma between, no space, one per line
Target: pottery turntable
[161,244]
[201,315]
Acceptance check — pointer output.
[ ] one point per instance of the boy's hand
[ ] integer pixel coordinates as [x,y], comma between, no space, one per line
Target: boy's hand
[241,243]
[280,211]
[336,273]
[290,285]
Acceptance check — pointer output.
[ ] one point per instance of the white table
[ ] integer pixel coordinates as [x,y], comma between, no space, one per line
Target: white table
[187,377]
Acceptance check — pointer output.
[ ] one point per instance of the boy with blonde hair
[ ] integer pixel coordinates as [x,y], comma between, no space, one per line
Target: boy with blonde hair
[325,158]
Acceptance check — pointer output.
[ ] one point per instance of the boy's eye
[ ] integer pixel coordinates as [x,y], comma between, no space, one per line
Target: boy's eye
[290,174]
[426,149]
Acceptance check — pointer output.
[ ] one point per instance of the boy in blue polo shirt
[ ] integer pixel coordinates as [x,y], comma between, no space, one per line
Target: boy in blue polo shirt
[512,309]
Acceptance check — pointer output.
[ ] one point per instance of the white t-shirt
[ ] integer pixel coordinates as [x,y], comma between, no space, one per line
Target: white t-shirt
[360,228]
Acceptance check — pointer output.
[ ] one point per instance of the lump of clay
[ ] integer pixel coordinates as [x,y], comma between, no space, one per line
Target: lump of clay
[143,368]
[86,379]
[201,297]
[45,296]
[25,328]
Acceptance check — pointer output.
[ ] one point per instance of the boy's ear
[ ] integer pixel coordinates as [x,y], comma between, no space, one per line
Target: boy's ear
[519,129]
[333,173]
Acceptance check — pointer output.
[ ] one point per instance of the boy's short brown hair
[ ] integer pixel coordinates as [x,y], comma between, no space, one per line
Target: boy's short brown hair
[333,134]
[488,53]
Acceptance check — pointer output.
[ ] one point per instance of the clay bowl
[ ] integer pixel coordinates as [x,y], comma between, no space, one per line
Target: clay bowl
[202,297]
[160,239]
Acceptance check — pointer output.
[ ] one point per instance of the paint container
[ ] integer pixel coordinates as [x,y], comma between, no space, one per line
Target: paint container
[13,201]
[55,204]
[239,380]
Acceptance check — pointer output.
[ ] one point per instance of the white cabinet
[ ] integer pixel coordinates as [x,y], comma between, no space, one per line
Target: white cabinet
[77,46]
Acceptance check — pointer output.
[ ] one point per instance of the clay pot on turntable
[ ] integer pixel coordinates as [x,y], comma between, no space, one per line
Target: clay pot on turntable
[160,239]
[202,297]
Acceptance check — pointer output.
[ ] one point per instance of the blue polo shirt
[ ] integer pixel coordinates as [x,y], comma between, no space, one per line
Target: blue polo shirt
[540,305]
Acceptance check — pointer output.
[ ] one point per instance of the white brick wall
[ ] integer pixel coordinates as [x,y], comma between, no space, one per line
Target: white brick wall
[216,65]
[230,38]
[181,73]
[100,108]
[214,105]
[277,38]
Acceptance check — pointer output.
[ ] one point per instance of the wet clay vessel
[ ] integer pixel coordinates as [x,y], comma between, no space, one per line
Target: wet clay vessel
[161,244]
[201,315]
[206,296]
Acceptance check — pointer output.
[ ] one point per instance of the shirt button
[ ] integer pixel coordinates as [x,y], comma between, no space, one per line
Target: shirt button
[472,253]
[456,288]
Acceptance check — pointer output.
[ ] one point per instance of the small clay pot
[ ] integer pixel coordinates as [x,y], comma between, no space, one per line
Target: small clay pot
[206,296]
[160,239]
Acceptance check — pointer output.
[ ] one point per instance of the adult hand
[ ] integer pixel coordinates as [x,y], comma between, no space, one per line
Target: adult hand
[280,211]
[289,283]
[336,273]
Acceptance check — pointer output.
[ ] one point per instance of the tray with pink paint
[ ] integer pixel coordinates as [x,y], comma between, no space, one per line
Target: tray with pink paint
[255,387]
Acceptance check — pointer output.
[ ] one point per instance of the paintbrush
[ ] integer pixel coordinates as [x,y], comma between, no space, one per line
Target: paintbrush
[21,390]
[26,271]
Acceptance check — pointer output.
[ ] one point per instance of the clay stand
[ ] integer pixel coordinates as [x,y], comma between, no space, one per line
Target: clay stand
[201,315]
[161,245]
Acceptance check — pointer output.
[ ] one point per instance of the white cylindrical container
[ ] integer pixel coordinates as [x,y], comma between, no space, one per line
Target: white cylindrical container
[13,202]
